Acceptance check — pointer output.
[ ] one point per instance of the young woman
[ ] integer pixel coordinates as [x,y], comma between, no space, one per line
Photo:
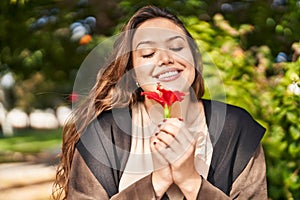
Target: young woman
[117,145]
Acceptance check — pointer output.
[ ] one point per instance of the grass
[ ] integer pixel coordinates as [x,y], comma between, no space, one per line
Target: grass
[31,141]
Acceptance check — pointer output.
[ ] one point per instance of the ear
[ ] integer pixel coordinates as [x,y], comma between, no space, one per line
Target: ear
[137,84]
[135,78]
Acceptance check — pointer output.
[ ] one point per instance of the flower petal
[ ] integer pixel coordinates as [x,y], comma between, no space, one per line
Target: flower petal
[169,96]
[155,96]
[166,97]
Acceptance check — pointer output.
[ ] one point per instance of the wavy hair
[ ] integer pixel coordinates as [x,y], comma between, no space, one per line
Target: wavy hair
[105,95]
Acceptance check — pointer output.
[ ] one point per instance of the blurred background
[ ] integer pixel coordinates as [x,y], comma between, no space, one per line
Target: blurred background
[255,45]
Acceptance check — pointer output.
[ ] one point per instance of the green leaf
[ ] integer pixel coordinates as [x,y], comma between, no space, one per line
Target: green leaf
[292,117]
[295,132]
[294,149]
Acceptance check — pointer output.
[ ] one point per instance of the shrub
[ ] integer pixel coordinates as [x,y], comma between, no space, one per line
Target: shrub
[251,79]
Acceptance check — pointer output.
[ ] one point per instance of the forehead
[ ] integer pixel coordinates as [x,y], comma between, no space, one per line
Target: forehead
[157,29]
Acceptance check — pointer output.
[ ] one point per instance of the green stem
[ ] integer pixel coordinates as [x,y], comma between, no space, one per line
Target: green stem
[167,112]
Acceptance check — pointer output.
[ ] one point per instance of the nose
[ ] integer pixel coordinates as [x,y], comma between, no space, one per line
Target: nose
[165,58]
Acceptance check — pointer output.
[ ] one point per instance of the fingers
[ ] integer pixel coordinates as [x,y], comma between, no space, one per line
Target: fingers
[159,161]
[165,138]
[174,127]
[172,139]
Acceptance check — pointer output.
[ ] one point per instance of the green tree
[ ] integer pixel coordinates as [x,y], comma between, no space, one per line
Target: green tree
[39,48]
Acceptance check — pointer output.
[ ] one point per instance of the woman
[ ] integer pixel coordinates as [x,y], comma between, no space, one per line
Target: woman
[118,146]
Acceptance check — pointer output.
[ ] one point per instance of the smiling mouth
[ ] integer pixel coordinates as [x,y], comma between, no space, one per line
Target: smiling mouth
[169,75]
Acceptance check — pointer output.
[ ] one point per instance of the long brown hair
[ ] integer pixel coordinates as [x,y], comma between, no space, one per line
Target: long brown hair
[104,95]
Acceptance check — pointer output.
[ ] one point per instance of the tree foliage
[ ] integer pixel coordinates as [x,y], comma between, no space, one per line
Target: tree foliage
[269,91]
[38,47]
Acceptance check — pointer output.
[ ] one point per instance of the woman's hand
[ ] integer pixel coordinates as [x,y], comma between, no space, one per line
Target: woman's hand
[162,175]
[177,145]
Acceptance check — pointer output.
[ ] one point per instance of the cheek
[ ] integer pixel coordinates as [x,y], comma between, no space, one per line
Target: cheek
[192,75]
[143,73]
[142,68]
[189,72]
[188,56]
[185,57]
[140,62]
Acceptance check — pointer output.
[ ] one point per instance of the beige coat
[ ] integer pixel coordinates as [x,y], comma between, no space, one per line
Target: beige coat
[251,184]
[237,168]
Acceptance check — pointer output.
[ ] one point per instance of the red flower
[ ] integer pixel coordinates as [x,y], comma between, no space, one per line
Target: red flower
[165,98]
[73,97]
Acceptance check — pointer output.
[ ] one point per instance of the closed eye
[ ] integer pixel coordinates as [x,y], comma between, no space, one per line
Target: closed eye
[148,55]
[176,49]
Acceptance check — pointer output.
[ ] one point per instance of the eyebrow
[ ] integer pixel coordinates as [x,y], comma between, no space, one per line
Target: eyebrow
[144,42]
[152,42]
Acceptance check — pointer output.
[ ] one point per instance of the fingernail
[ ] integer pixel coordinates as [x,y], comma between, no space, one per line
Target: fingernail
[154,143]
[164,120]
[156,134]
[180,119]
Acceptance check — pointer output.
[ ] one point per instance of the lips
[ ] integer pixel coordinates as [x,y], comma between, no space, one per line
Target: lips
[169,75]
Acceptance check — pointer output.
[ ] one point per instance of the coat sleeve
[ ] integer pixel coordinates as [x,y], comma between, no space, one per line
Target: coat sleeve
[83,185]
[250,184]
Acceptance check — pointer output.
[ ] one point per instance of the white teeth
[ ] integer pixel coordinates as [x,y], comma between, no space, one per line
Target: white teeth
[167,74]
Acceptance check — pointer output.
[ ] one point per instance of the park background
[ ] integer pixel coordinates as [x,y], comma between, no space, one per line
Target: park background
[253,44]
